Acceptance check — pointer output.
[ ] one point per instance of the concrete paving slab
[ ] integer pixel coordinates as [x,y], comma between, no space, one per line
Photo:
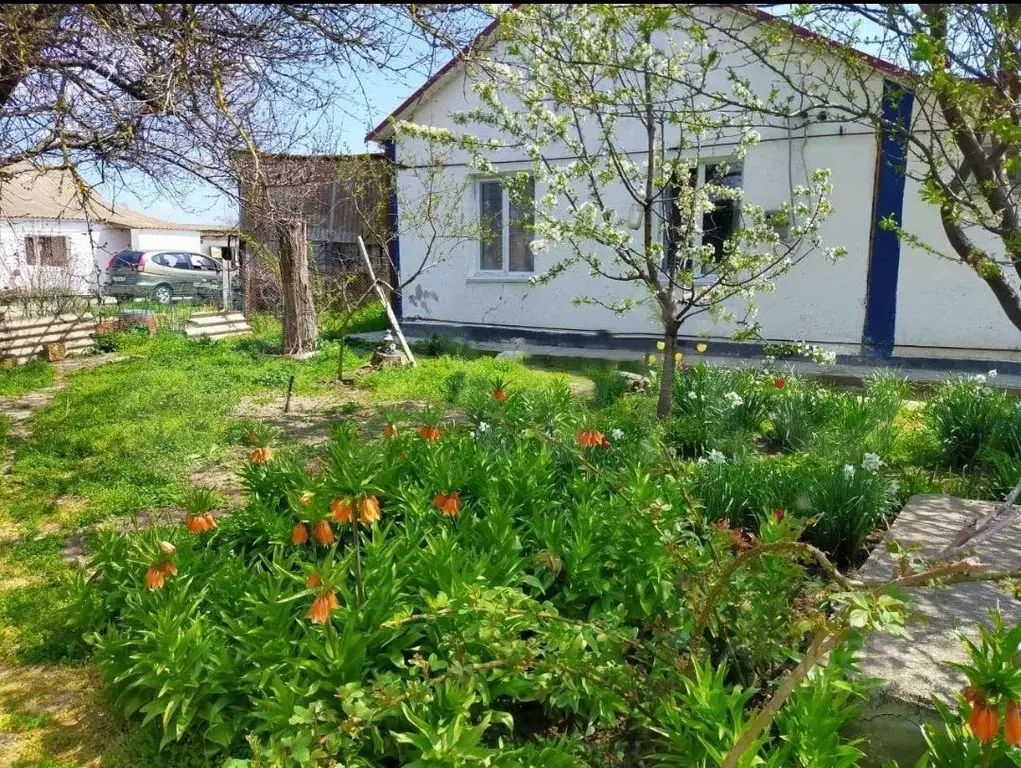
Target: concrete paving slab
[915,670]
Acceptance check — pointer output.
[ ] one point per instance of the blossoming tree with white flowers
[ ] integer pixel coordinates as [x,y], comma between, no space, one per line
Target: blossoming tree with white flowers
[608,103]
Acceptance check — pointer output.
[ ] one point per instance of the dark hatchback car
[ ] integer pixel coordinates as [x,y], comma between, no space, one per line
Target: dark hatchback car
[165,276]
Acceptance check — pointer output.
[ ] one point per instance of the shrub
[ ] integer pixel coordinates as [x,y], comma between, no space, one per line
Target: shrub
[716,409]
[799,414]
[845,502]
[609,387]
[970,419]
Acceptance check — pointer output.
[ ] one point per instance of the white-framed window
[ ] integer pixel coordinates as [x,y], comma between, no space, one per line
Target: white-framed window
[46,251]
[506,228]
[719,224]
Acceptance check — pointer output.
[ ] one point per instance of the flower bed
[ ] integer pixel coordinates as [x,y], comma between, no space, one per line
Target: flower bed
[538,584]
[520,588]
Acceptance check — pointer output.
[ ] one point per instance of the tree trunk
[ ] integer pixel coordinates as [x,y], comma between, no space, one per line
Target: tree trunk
[666,381]
[296,288]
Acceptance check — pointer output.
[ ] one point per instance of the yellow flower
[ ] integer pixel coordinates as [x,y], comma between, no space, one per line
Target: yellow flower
[701,347]
[652,359]
[660,345]
[678,356]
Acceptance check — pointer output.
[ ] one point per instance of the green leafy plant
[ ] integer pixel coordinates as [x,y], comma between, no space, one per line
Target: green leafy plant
[970,418]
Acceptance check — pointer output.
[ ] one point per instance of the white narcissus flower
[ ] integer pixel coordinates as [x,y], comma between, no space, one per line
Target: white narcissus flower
[992,374]
[617,434]
[692,395]
[978,377]
[848,471]
[483,426]
[734,399]
[716,456]
[872,462]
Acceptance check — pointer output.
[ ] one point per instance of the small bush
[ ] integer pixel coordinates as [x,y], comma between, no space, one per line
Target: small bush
[715,409]
[970,419]
[800,414]
[846,502]
[609,387]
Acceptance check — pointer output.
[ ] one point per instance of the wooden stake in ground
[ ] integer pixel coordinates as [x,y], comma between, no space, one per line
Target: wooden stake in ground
[300,331]
[386,304]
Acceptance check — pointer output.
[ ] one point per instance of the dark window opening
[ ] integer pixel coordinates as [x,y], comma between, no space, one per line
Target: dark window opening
[717,226]
[46,251]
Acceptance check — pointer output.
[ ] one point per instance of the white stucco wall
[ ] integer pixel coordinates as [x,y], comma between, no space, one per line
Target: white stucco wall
[817,301]
[942,308]
[941,302]
[166,240]
[89,252]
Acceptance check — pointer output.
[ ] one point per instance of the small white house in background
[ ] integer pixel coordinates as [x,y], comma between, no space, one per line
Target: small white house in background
[51,240]
[886,298]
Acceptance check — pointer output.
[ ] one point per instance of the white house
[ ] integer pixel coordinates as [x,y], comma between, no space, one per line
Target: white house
[886,298]
[51,239]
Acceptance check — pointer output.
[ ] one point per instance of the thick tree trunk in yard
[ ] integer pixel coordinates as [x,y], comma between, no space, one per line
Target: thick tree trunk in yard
[666,381]
[300,329]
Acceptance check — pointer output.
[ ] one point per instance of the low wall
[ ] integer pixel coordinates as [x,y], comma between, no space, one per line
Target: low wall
[26,339]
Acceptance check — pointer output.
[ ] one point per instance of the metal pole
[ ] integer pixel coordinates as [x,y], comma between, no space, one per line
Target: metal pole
[290,388]
[225,272]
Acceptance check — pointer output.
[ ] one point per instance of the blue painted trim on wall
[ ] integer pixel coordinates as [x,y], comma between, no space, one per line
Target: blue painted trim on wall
[390,150]
[884,249]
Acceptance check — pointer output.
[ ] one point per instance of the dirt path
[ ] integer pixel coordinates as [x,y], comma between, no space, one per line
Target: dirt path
[53,715]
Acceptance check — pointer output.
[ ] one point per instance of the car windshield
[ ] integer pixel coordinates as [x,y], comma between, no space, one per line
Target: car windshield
[126,259]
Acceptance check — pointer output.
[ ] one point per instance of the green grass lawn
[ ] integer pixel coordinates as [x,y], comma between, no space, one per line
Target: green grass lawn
[29,377]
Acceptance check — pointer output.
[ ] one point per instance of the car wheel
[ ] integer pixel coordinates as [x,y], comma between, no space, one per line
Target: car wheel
[162,294]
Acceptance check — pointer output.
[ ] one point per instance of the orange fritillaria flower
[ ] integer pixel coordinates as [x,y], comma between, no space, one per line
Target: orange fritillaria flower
[778,514]
[169,568]
[299,534]
[984,721]
[779,383]
[390,430]
[332,601]
[319,613]
[452,505]
[368,511]
[313,580]
[195,524]
[429,433]
[589,438]
[970,694]
[261,455]
[154,577]
[1012,725]
[343,510]
[448,503]
[209,520]
[499,395]
[323,533]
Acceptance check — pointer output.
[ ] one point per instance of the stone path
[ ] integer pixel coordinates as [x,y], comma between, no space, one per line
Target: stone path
[915,670]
